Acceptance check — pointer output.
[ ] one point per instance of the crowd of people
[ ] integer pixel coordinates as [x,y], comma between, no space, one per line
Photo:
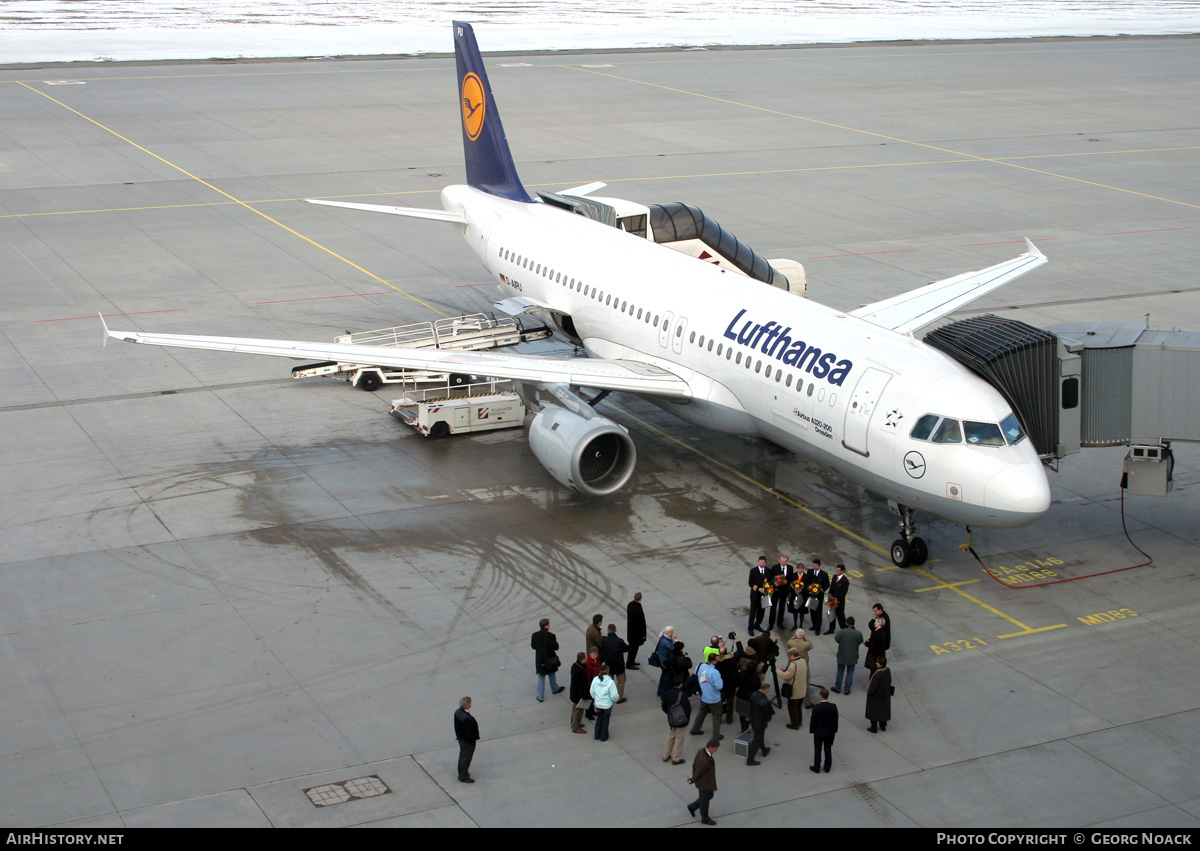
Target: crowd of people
[731,677]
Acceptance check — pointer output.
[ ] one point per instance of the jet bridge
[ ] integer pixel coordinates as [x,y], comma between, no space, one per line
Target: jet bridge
[686,229]
[1090,384]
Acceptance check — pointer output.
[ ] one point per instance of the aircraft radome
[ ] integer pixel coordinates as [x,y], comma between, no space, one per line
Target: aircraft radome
[671,308]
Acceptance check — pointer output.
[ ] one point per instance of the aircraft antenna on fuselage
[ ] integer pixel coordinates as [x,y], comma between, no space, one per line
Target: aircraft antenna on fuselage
[490,165]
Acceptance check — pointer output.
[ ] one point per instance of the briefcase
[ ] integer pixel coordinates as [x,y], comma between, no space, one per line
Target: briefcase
[741,745]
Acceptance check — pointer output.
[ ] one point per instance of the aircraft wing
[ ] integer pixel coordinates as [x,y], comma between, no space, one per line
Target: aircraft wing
[914,310]
[625,375]
[411,212]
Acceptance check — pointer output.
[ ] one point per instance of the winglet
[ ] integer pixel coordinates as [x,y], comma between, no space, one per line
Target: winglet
[490,165]
[107,333]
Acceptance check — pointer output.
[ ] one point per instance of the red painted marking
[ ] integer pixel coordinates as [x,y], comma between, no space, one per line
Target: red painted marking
[320,297]
[1152,230]
[861,254]
[93,316]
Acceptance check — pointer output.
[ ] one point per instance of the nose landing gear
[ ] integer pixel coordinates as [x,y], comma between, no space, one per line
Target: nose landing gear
[909,549]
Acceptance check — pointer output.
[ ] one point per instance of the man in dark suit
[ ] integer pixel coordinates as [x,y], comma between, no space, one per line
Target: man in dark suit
[782,576]
[839,587]
[823,724]
[635,630]
[761,713]
[704,778]
[757,582]
[818,577]
[466,730]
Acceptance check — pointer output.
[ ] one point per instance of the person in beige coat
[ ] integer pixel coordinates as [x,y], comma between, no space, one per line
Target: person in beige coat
[795,674]
[802,645]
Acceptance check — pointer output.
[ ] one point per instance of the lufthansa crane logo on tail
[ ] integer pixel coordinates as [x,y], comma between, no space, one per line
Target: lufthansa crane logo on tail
[474,105]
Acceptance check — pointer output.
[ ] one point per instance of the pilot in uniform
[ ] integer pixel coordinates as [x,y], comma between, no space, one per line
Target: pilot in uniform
[757,580]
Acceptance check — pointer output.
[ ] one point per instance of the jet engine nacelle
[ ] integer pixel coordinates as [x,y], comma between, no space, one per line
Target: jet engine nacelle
[593,455]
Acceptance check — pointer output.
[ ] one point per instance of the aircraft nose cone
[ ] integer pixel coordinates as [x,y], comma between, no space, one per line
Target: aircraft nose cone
[1022,488]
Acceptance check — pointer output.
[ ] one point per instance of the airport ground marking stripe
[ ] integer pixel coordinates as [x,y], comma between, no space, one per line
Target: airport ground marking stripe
[975,600]
[947,585]
[877,135]
[1032,631]
[233,199]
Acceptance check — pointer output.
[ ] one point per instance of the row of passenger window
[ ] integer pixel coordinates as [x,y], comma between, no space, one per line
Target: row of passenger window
[625,307]
[578,286]
[938,429]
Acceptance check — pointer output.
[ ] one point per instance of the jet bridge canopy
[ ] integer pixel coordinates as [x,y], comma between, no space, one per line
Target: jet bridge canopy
[677,222]
[679,225]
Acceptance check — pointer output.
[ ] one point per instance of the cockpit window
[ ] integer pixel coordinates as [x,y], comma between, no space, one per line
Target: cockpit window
[947,432]
[983,434]
[924,427]
[1012,429]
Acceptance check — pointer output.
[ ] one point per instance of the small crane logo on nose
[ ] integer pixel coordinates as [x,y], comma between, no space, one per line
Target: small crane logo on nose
[914,464]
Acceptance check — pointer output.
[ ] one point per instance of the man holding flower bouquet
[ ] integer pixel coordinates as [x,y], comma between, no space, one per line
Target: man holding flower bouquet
[782,577]
[758,585]
[816,583]
[838,589]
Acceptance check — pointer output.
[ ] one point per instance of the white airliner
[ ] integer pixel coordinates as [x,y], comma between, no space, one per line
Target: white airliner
[711,344]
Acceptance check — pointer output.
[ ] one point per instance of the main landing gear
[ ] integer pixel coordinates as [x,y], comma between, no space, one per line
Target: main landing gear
[908,549]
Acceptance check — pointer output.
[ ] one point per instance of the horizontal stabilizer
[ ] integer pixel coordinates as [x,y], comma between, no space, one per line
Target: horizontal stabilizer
[585,189]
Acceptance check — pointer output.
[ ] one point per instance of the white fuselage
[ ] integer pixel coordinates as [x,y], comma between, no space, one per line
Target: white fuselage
[761,361]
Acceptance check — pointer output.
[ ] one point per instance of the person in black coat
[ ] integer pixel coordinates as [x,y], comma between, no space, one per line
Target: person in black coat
[545,659]
[823,724]
[635,630]
[757,580]
[761,713]
[879,697]
[678,663]
[876,644]
[612,651]
[878,612]
[580,695]
[839,587]
[748,681]
[815,576]
[466,730]
[781,576]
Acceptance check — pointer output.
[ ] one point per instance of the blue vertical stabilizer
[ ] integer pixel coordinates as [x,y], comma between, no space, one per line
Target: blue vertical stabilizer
[489,163]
